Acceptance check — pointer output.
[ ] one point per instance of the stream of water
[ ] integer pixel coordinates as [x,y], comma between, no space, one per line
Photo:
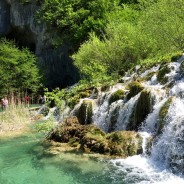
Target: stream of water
[24,161]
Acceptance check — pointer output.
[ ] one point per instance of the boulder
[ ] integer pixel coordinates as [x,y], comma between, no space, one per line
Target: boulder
[91,139]
[142,108]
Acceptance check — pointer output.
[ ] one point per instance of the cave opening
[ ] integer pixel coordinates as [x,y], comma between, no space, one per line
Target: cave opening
[23,37]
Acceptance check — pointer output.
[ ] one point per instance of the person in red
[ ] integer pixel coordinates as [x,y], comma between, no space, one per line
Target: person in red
[27,99]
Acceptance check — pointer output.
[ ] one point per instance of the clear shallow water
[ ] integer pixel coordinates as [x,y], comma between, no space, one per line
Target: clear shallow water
[23,161]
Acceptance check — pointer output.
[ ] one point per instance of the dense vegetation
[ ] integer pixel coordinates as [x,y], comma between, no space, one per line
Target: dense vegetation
[18,69]
[73,20]
[133,35]
[106,38]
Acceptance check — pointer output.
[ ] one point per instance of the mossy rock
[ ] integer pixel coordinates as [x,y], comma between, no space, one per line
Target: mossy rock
[176,56]
[162,114]
[161,76]
[149,143]
[141,109]
[85,112]
[104,87]
[91,139]
[135,87]
[118,95]
[85,94]
[121,72]
[126,143]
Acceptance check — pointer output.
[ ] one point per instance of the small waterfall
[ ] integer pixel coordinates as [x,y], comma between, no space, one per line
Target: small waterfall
[86,116]
[103,111]
[151,123]
[100,113]
[125,113]
[145,137]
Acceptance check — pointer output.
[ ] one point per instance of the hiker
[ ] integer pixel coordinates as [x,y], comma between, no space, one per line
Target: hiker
[4,102]
[43,99]
[27,99]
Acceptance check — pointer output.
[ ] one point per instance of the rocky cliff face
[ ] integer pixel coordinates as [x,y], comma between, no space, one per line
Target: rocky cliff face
[17,21]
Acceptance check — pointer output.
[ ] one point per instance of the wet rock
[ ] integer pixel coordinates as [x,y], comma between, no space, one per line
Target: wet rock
[118,95]
[90,139]
[163,70]
[142,108]
[162,114]
[85,112]
[134,88]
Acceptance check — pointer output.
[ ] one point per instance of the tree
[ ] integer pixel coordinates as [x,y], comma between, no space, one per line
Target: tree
[18,69]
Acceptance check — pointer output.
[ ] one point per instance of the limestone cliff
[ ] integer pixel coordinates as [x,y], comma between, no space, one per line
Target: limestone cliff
[17,21]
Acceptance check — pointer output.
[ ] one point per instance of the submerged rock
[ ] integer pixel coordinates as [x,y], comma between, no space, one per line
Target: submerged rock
[91,139]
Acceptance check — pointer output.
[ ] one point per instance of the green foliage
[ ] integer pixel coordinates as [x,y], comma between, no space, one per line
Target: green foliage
[162,22]
[45,126]
[18,69]
[74,20]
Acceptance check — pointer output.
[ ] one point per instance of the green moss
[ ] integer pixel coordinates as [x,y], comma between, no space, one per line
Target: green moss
[90,138]
[126,143]
[141,109]
[161,76]
[85,112]
[162,114]
[134,87]
[119,94]
[85,94]
[113,119]
[121,72]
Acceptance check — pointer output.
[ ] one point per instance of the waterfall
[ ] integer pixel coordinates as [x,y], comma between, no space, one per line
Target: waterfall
[86,115]
[166,154]
[169,149]
[125,113]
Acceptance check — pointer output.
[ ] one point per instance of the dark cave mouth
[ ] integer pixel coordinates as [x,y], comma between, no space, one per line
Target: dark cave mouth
[23,38]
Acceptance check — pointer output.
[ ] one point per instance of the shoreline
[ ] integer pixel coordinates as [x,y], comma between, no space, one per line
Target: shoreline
[12,130]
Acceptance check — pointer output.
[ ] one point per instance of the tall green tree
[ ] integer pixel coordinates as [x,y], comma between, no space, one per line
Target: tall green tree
[18,69]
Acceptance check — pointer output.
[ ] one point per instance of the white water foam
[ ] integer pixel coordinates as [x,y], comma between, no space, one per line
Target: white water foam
[141,170]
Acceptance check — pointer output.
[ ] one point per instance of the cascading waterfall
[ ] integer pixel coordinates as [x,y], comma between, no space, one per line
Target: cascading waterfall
[167,151]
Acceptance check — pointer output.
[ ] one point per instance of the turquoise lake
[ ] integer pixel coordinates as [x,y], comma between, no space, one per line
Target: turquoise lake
[24,161]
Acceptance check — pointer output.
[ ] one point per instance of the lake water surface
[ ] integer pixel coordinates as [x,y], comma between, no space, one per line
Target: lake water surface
[23,161]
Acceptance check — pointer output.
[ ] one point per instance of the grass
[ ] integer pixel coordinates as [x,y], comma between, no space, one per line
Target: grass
[15,117]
